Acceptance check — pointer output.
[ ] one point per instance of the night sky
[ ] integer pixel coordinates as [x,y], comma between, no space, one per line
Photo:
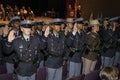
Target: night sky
[106,7]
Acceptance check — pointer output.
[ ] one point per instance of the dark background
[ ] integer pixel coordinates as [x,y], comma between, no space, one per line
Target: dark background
[104,7]
[40,6]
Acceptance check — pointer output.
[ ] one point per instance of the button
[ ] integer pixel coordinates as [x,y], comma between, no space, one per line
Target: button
[30,54]
[29,50]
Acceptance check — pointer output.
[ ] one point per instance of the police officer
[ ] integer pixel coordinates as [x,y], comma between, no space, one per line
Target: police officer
[10,59]
[55,43]
[38,25]
[108,43]
[117,55]
[90,53]
[27,48]
[69,26]
[116,26]
[75,44]
[37,30]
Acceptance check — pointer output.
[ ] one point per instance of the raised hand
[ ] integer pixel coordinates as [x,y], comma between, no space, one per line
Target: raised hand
[75,29]
[47,31]
[11,36]
[6,30]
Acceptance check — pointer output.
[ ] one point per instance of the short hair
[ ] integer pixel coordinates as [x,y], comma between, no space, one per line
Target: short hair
[109,73]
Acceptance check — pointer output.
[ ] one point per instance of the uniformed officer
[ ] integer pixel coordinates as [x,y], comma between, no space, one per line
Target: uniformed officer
[108,44]
[27,48]
[85,26]
[10,59]
[75,44]
[115,25]
[90,53]
[69,26]
[37,26]
[117,55]
[55,44]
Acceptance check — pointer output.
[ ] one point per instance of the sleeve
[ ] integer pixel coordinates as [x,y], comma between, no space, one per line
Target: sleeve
[8,47]
[43,43]
[70,39]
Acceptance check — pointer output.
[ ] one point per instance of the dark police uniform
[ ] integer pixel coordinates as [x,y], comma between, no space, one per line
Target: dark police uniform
[27,51]
[39,33]
[117,40]
[108,46]
[56,49]
[75,45]
[10,59]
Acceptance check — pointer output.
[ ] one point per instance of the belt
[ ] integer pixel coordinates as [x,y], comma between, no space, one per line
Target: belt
[75,50]
[55,55]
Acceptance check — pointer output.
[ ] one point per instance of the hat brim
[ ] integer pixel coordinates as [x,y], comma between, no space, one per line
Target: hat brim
[26,25]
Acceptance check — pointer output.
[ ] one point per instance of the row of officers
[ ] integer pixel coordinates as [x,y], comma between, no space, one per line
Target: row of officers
[26,46]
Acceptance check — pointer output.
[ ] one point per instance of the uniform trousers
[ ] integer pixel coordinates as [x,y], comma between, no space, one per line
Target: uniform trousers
[106,61]
[88,65]
[10,67]
[41,64]
[54,74]
[74,69]
[26,77]
[117,58]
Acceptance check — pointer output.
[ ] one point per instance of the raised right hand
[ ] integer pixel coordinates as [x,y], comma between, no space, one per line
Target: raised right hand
[47,31]
[6,30]
[11,36]
[75,29]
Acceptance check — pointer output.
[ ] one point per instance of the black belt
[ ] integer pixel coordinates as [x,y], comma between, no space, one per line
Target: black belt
[75,50]
[55,55]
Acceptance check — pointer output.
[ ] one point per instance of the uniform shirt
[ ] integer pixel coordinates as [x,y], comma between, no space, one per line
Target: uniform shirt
[11,57]
[28,53]
[117,35]
[40,35]
[76,41]
[92,39]
[107,35]
[55,45]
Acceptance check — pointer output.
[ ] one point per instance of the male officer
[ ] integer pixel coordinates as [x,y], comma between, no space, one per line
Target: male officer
[55,44]
[108,44]
[69,26]
[75,44]
[38,25]
[116,26]
[10,59]
[37,30]
[27,48]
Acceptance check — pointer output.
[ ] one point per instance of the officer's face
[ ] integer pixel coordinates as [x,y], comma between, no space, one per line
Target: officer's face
[56,28]
[80,26]
[70,25]
[96,28]
[105,23]
[39,27]
[16,25]
[62,26]
[26,31]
